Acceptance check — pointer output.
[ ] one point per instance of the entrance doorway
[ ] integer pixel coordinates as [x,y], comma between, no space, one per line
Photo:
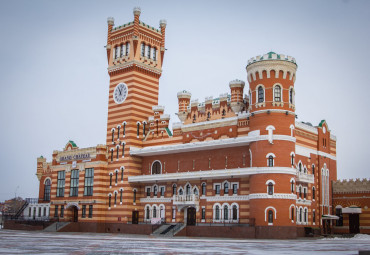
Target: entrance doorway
[75,214]
[354,223]
[135,217]
[191,218]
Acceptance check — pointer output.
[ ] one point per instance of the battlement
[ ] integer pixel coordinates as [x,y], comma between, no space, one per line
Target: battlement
[271,56]
[351,186]
[236,83]
[184,94]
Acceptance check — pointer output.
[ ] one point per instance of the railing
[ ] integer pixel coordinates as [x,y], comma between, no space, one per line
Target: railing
[302,177]
[32,200]
[185,199]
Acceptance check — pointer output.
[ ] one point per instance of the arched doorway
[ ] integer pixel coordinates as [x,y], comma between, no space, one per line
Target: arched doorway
[191,216]
[73,211]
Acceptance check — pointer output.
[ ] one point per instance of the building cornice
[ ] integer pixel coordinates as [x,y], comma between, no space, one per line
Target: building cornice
[304,151]
[205,145]
[131,64]
[211,174]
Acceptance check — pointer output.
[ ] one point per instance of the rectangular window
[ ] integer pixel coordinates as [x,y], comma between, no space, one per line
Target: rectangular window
[74,183]
[83,211]
[61,183]
[217,187]
[203,213]
[162,191]
[90,211]
[62,211]
[173,213]
[235,188]
[56,212]
[89,181]
[148,192]
[134,196]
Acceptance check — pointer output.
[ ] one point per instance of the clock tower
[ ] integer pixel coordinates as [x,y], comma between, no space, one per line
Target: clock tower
[135,52]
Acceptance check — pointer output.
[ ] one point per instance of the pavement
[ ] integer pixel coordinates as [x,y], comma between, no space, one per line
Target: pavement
[38,242]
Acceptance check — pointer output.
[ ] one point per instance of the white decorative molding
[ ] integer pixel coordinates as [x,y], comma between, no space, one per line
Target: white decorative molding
[306,127]
[273,110]
[303,202]
[155,200]
[302,177]
[274,196]
[206,145]
[211,174]
[210,124]
[225,198]
[304,151]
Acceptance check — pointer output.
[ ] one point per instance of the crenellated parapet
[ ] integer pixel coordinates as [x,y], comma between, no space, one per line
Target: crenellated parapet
[282,66]
[351,186]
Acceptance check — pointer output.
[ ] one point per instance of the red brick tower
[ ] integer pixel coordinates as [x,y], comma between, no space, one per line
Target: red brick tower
[272,116]
[135,54]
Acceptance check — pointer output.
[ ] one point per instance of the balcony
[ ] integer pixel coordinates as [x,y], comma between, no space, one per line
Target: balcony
[307,178]
[185,200]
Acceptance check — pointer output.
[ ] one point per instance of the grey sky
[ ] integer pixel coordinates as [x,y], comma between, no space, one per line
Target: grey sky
[54,82]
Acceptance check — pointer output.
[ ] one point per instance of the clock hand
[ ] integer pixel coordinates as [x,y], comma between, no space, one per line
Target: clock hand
[120,91]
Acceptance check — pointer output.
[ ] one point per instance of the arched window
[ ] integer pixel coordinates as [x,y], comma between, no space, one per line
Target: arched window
[300,191]
[122,174]
[181,192]
[188,189]
[300,167]
[47,190]
[110,179]
[127,48]
[134,199]
[117,152]
[226,188]
[292,186]
[305,170]
[270,216]
[142,49]
[292,159]
[120,195]
[235,212]
[277,93]
[124,129]
[195,191]
[208,115]
[223,112]
[270,188]
[217,213]
[155,190]
[305,215]
[292,213]
[118,129]
[116,175]
[147,213]
[144,125]
[300,215]
[271,161]
[313,193]
[154,212]
[155,54]
[204,189]
[116,50]
[174,188]
[123,46]
[156,167]
[138,129]
[115,198]
[111,155]
[109,200]
[313,169]
[261,96]
[112,135]
[123,149]
[291,96]
[226,212]
[194,118]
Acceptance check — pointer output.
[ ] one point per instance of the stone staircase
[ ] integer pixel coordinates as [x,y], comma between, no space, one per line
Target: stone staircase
[56,226]
[168,230]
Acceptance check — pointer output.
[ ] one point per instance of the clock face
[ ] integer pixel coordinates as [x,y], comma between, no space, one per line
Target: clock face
[120,93]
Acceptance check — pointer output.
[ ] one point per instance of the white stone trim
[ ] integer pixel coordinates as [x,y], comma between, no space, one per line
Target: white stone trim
[206,145]
[306,127]
[225,198]
[211,174]
[274,196]
[304,151]
[155,200]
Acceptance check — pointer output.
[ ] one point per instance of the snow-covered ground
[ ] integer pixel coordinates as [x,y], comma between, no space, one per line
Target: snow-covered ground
[23,242]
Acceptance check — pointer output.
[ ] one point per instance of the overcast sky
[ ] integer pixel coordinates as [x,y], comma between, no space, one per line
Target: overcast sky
[54,81]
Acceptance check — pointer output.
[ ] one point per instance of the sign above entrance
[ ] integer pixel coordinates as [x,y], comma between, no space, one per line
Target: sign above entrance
[79,156]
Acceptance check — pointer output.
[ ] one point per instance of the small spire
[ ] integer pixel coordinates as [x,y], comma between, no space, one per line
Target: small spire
[110,21]
[137,11]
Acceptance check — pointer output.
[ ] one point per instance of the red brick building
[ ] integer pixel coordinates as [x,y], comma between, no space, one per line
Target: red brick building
[238,161]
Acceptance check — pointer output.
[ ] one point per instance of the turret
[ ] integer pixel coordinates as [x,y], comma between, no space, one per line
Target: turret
[184,101]
[237,88]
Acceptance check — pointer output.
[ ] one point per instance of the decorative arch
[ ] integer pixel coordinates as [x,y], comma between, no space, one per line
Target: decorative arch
[260,94]
[277,90]
[273,209]
[156,167]
[291,130]
[217,209]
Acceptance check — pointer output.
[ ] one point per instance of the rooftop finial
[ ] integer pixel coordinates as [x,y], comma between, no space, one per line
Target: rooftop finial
[110,21]
[163,23]
[137,11]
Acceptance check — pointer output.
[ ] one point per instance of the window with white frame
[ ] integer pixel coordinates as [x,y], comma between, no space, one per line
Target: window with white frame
[261,94]
[277,93]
